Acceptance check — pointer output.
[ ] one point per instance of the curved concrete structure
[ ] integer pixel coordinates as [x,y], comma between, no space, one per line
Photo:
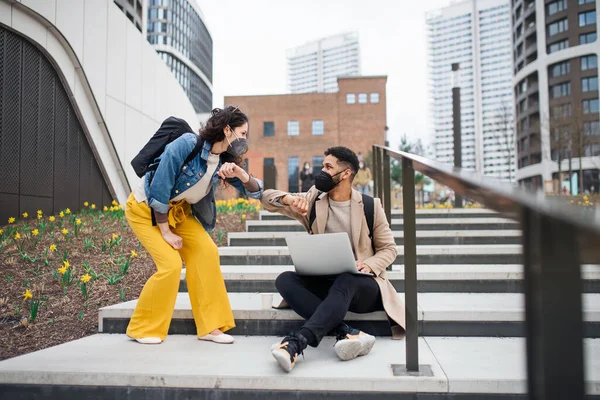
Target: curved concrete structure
[119,87]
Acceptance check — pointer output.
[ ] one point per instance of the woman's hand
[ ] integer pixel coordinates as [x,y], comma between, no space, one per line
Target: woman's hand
[232,170]
[175,241]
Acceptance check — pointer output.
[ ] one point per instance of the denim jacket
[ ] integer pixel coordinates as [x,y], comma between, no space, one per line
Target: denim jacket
[172,177]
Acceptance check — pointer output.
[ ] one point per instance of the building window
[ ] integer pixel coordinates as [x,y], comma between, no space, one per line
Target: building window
[589,62]
[560,69]
[293,128]
[561,90]
[362,98]
[558,27]
[269,162]
[317,162]
[589,84]
[591,128]
[350,98]
[318,128]
[587,38]
[586,1]
[557,6]
[269,128]
[374,98]
[554,47]
[293,165]
[592,150]
[561,111]
[587,18]
[590,106]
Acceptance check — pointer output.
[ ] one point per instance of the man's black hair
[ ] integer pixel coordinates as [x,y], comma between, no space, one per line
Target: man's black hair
[344,155]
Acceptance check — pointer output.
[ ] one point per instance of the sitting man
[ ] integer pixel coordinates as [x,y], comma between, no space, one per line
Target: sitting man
[324,300]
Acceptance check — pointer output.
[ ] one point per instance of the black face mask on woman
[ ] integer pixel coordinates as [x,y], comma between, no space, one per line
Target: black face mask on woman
[238,147]
[324,182]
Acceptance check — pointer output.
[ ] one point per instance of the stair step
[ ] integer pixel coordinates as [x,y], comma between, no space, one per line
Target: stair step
[112,366]
[430,254]
[440,314]
[420,213]
[398,225]
[450,237]
[430,278]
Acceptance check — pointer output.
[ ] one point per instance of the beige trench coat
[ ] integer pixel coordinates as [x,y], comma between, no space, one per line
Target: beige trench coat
[385,245]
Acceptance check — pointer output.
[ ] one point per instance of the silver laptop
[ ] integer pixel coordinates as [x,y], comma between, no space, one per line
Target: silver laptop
[324,254]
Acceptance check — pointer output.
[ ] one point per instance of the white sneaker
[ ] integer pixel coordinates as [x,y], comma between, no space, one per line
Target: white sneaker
[149,340]
[223,338]
[353,344]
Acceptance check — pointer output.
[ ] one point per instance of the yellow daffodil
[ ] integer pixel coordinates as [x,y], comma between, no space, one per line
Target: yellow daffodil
[62,270]
[115,236]
[78,221]
[114,203]
[93,207]
[66,263]
[17,236]
[68,211]
[133,254]
[39,216]
[1,231]
[65,231]
[27,294]
[52,218]
[40,212]
[62,214]
[25,215]
[86,278]
[243,216]
[105,208]
[53,247]
[11,220]
[35,232]
[217,221]
[86,204]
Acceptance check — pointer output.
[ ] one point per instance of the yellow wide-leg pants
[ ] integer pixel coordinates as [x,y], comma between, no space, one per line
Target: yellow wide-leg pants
[208,296]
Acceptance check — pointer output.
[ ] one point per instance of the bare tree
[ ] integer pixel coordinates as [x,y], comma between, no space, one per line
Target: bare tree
[505,134]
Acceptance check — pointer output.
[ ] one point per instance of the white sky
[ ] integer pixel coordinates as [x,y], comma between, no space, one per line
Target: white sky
[250,38]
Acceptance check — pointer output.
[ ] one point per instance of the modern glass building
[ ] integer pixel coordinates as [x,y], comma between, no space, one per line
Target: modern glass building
[476,34]
[315,66]
[178,32]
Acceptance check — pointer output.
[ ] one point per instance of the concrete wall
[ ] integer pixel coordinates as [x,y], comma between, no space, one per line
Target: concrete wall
[119,86]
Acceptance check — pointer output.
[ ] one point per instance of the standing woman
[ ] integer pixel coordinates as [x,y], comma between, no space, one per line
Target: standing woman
[168,192]
[307,178]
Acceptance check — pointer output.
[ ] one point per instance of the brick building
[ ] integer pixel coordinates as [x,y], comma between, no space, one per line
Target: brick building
[288,130]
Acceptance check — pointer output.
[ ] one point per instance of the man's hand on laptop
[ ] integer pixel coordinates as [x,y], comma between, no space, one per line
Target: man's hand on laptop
[297,203]
[363,268]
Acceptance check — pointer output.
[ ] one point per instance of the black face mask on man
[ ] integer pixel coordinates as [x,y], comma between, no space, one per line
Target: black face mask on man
[324,182]
[238,147]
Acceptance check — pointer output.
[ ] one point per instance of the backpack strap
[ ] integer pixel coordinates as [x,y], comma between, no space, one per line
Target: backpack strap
[369,207]
[313,213]
[196,150]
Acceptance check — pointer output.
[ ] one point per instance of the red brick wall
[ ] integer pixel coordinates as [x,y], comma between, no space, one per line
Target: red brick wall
[357,126]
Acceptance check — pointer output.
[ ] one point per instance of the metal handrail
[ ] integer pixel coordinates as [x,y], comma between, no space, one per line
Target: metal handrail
[557,239]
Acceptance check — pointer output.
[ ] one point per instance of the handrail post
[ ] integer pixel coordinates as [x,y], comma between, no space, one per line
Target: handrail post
[553,308]
[410,265]
[387,190]
[376,181]
[379,173]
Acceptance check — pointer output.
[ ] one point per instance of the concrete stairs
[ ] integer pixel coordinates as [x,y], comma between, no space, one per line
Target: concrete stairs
[470,311]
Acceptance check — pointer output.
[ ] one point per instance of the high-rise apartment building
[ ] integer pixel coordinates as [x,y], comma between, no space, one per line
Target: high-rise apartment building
[315,66]
[476,34]
[555,52]
[178,32]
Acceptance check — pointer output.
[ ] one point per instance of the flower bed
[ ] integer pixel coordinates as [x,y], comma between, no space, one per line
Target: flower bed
[57,271]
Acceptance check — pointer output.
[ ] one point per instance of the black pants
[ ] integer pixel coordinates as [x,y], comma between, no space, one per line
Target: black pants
[324,300]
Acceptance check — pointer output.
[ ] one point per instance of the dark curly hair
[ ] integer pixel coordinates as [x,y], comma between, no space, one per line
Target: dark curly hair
[345,156]
[214,130]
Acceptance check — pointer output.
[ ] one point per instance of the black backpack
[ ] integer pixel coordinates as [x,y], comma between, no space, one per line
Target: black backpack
[169,130]
[369,209]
